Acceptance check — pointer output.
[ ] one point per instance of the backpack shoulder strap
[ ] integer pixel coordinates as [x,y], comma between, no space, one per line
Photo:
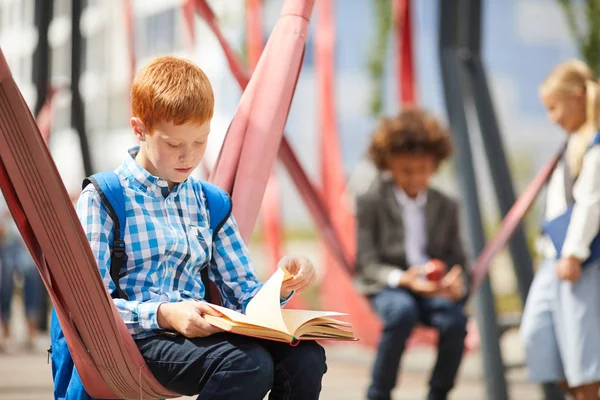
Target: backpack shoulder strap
[596,140]
[108,185]
[218,206]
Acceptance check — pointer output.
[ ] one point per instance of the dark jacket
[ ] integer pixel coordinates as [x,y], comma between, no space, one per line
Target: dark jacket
[380,235]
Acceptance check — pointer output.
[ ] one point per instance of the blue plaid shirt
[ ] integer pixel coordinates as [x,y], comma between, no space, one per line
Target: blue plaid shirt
[168,241]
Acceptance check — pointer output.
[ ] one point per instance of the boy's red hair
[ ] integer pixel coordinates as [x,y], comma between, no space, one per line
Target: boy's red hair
[171,89]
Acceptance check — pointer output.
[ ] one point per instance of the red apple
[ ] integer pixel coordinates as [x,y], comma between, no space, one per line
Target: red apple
[435,270]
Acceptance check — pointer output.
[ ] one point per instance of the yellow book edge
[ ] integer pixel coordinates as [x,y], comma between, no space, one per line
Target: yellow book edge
[265,319]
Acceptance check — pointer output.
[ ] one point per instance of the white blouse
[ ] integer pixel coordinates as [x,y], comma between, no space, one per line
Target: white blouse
[585,220]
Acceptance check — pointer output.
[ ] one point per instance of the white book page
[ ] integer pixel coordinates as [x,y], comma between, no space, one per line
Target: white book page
[296,318]
[265,307]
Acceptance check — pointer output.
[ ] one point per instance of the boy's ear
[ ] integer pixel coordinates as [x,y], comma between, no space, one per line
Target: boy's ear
[138,128]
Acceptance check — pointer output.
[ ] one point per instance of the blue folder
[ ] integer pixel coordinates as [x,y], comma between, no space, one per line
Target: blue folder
[556,229]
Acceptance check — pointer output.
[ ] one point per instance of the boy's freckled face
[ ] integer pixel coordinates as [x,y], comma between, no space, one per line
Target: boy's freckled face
[174,151]
[412,172]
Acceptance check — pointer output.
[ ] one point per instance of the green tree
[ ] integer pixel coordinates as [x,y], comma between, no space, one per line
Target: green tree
[377,57]
[583,19]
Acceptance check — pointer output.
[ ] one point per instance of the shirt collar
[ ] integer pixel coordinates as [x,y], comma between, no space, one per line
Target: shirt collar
[406,200]
[144,179]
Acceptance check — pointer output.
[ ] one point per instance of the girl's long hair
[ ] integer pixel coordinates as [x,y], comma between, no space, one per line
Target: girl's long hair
[568,78]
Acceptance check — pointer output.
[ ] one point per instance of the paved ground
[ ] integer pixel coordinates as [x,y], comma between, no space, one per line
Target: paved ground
[27,376]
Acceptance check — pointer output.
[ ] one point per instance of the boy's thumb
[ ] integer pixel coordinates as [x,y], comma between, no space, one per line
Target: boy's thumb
[204,308]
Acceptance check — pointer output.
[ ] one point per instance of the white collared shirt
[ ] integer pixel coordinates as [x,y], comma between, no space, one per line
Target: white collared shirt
[415,234]
[585,220]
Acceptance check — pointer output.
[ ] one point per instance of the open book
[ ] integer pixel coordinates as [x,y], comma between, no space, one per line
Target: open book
[266,319]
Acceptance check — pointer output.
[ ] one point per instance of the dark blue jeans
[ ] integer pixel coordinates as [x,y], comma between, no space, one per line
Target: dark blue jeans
[15,259]
[400,310]
[226,366]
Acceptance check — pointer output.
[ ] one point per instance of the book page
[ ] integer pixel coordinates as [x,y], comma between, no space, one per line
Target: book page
[248,329]
[264,317]
[265,307]
[294,319]
[236,317]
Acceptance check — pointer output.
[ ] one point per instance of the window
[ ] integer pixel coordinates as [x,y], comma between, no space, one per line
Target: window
[28,12]
[94,31]
[118,110]
[96,111]
[157,33]
[62,8]
[61,60]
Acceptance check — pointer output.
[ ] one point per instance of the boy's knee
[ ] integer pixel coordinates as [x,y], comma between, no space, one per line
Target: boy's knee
[254,370]
[310,359]
[299,373]
[454,326]
[403,316]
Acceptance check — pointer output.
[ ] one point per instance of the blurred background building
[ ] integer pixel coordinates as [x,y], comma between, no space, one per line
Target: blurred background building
[523,39]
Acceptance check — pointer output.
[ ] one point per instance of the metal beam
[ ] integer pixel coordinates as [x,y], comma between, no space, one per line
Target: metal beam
[77,104]
[492,141]
[41,56]
[41,79]
[464,79]
[455,93]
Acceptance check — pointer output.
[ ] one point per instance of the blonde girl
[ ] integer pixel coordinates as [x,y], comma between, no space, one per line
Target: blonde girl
[561,320]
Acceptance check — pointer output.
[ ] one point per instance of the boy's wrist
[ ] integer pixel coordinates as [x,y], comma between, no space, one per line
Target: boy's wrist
[163,314]
[284,299]
[394,278]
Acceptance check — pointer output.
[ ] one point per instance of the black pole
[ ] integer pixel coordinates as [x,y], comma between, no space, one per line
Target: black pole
[500,174]
[77,105]
[41,56]
[494,149]
[41,79]
[504,190]
[474,69]
[454,82]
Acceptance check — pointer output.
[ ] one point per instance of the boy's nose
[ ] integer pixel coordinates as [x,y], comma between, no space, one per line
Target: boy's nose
[183,156]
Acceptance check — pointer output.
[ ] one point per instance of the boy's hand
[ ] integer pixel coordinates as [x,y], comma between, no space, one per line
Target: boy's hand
[569,269]
[412,279]
[425,288]
[302,271]
[452,284]
[186,318]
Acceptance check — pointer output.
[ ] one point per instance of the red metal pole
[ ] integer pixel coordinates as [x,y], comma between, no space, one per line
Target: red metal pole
[337,289]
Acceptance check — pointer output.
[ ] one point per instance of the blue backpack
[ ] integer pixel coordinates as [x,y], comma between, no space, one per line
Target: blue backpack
[67,384]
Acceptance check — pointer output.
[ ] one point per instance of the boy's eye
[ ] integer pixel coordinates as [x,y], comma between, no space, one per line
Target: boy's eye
[174,146]
[200,143]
